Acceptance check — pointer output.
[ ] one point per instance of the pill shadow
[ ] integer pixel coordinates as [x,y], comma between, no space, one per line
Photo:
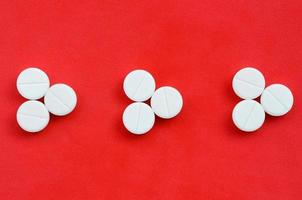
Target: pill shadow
[119,94]
[271,120]
[229,92]
[120,130]
[20,133]
[165,123]
[233,131]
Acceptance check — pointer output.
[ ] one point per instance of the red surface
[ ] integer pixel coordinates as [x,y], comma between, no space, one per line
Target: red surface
[195,46]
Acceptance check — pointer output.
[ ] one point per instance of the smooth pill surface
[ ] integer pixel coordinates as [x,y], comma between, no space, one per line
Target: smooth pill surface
[248,115]
[166,102]
[248,83]
[139,85]
[32,83]
[32,116]
[60,99]
[277,100]
[138,118]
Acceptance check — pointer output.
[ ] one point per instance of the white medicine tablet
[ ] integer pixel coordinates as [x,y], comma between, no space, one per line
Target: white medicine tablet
[32,116]
[248,83]
[248,115]
[277,100]
[60,99]
[166,102]
[139,85]
[138,118]
[32,83]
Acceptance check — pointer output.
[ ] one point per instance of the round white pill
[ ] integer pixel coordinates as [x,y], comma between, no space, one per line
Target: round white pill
[32,116]
[60,99]
[138,118]
[248,115]
[248,83]
[166,102]
[32,83]
[139,85]
[277,100]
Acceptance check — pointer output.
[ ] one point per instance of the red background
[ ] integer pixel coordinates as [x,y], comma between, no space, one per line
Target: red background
[196,46]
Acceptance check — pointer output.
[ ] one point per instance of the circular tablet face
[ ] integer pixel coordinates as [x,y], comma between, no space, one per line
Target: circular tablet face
[139,85]
[32,83]
[248,115]
[277,100]
[248,83]
[166,102]
[138,118]
[32,116]
[60,99]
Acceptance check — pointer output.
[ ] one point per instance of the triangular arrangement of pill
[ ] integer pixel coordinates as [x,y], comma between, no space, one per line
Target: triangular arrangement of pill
[249,115]
[139,117]
[59,99]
